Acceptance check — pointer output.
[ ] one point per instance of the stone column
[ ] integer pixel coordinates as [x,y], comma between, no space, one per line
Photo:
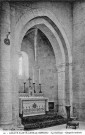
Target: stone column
[15,54]
[36,60]
[67,90]
[35,43]
[5,70]
[68,85]
[14,69]
[61,89]
[70,88]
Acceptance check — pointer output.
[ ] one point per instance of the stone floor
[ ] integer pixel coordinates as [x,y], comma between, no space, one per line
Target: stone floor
[63,127]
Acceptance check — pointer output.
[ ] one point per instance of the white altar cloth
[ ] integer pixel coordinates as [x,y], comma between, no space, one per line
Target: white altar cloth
[29,106]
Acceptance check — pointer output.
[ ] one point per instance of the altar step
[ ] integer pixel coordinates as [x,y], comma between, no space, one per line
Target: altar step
[42,121]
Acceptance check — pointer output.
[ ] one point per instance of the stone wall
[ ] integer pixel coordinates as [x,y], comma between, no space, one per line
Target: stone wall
[45,61]
[62,11]
[5,69]
[79,59]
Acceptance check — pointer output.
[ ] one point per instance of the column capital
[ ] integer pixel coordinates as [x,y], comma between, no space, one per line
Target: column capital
[62,66]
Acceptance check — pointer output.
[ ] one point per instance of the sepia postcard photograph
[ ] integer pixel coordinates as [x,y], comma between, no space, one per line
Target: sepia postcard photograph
[42,67]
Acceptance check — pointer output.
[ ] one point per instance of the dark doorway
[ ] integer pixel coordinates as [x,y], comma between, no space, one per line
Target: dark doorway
[51,106]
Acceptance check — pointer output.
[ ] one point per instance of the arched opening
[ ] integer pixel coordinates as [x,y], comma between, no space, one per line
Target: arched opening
[45,62]
[61,60]
[64,67]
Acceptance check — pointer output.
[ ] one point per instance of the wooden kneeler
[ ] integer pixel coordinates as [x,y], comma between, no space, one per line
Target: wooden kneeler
[74,124]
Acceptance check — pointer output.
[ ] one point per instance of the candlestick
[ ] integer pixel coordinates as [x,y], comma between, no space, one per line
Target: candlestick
[28,68]
[29,79]
[34,87]
[40,88]
[39,77]
[24,86]
[33,76]
[24,76]
[24,79]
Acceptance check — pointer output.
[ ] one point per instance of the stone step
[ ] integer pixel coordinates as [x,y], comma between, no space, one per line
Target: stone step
[44,124]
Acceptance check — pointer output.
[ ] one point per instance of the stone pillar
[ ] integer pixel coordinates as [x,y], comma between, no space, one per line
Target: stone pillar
[61,89]
[70,89]
[68,86]
[65,87]
[36,60]
[14,69]
[5,70]
[67,90]
[35,43]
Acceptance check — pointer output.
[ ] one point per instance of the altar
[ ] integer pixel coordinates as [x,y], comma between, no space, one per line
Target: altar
[32,103]
[30,106]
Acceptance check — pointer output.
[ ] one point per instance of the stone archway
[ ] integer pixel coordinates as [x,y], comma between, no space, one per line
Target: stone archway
[60,64]
[24,25]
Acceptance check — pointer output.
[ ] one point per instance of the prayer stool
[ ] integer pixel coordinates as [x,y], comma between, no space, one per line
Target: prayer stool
[73,124]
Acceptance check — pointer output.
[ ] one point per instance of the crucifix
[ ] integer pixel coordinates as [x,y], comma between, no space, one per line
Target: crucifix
[29,79]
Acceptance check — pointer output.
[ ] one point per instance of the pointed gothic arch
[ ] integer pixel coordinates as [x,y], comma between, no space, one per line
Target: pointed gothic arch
[34,17]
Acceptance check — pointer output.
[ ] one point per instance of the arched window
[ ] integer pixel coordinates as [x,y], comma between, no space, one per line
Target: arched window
[20,65]
[24,65]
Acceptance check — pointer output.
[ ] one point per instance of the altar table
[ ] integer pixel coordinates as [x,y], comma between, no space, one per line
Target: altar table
[30,106]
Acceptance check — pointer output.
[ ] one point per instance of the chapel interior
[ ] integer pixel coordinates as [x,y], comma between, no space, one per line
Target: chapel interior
[42,63]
